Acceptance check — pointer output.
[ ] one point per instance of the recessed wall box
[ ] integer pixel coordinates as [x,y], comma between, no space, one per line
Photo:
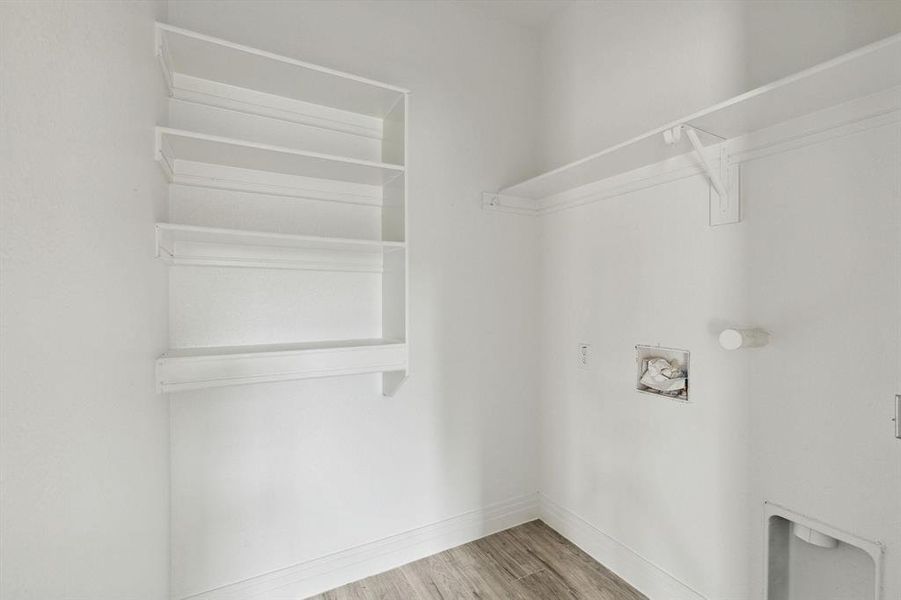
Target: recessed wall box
[662,372]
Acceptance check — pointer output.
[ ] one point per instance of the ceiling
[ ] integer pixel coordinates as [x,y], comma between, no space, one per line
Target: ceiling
[533,14]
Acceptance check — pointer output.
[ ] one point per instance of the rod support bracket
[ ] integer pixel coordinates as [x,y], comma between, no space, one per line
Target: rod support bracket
[725,207]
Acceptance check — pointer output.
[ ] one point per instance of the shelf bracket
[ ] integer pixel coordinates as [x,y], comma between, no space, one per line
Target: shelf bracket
[164,58]
[725,208]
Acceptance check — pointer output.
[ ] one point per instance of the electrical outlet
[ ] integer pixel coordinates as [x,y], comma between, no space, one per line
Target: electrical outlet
[584,356]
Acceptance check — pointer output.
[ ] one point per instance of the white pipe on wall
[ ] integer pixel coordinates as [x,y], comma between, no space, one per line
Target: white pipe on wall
[733,339]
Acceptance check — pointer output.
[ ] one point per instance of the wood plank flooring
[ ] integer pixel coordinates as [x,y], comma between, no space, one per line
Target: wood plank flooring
[529,562]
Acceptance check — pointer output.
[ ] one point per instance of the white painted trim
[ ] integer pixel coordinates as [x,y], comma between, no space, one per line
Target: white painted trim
[852,118]
[198,368]
[211,246]
[862,71]
[232,179]
[834,123]
[224,96]
[218,139]
[392,382]
[651,176]
[163,56]
[353,181]
[875,549]
[839,122]
[323,573]
[274,238]
[639,572]
[326,572]
[276,57]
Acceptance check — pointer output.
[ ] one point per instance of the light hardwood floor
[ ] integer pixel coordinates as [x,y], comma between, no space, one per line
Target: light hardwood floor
[529,562]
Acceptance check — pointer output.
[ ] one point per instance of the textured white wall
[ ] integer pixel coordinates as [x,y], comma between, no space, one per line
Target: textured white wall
[268,476]
[816,259]
[84,439]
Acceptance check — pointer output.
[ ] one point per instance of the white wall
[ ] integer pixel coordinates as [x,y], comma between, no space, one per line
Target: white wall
[612,70]
[815,259]
[261,475]
[823,270]
[268,476]
[663,478]
[84,438]
[684,485]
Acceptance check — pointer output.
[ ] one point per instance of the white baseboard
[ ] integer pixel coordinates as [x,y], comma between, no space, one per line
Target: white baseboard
[324,573]
[639,572]
[333,570]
